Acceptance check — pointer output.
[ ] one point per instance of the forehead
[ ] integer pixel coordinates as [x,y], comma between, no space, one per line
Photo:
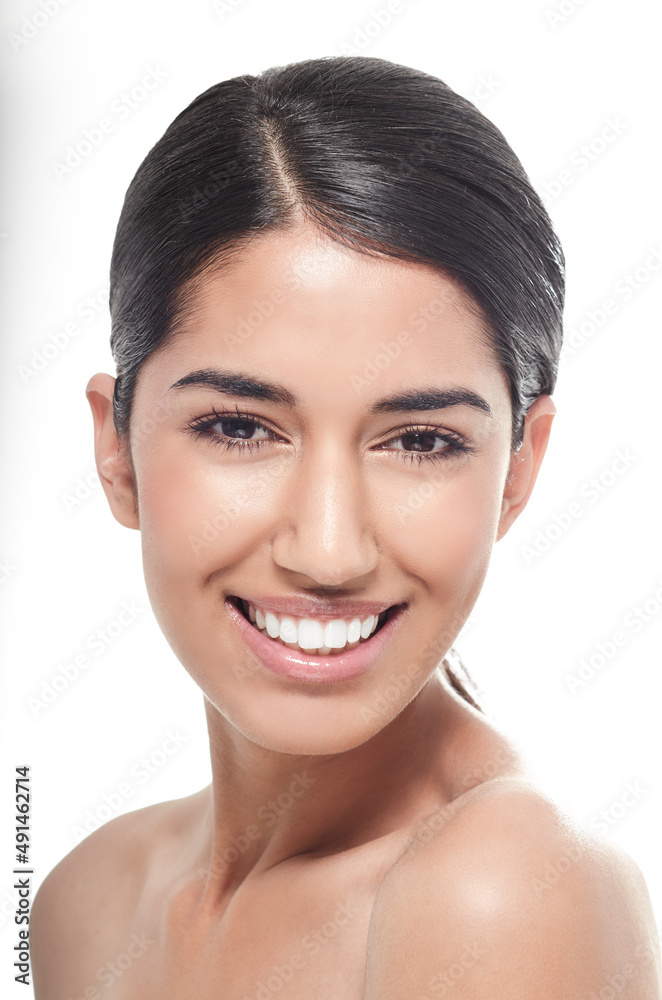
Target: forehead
[299,304]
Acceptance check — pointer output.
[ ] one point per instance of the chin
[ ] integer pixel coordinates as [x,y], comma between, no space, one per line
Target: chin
[301,723]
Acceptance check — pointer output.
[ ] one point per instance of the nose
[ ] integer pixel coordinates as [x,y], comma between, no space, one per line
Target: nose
[324,534]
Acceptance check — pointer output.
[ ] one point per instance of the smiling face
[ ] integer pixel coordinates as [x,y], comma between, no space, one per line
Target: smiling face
[313,484]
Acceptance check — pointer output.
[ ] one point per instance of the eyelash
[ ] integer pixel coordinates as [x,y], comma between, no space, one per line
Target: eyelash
[201,427]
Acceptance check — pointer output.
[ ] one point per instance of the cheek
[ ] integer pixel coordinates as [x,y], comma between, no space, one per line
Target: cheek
[444,530]
[197,517]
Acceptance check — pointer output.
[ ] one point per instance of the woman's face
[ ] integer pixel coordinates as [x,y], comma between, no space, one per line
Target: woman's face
[329,494]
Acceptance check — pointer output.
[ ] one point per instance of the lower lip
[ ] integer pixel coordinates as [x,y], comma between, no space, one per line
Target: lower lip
[299,666]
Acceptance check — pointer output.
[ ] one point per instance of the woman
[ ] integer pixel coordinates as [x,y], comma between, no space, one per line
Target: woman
[337,306]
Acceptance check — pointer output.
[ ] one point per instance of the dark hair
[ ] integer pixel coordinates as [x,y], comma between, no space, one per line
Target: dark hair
[383,158]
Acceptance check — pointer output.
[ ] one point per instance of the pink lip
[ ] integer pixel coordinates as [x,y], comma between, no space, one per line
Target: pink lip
[311,607]
[299,666]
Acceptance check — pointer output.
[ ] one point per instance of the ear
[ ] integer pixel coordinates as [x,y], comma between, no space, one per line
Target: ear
[113,460]
[525,463]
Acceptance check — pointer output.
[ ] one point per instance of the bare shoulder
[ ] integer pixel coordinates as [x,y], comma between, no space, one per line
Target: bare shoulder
[81,914]
[510,898]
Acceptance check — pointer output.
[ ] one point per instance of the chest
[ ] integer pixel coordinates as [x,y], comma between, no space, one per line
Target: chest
[292,938]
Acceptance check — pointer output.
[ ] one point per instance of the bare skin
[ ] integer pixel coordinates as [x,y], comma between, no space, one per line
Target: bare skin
[351,845]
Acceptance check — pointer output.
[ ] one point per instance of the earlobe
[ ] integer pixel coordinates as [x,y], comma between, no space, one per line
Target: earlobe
[525,463]
[112,460]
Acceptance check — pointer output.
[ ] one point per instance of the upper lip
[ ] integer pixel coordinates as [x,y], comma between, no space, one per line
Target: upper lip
[310,607]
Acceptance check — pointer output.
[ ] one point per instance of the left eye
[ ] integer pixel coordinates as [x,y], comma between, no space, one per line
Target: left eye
[422,441]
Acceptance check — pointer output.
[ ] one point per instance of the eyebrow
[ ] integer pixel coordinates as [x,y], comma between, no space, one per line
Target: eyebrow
[250,387]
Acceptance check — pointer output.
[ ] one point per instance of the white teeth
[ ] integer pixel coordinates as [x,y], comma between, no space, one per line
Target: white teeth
[354,630]
[367,626]
[288,629]
[272,623]
[311,635]
[335,634]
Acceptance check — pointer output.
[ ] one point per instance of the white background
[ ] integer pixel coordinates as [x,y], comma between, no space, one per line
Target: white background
[554,76]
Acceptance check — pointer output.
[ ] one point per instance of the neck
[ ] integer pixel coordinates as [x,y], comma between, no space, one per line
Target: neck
[267,806]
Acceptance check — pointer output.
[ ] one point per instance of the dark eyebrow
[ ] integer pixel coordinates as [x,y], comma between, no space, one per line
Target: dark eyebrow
[237,384]
[430,399]
[249,387]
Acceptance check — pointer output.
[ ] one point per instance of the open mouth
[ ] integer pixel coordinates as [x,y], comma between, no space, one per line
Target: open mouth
[331,638]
